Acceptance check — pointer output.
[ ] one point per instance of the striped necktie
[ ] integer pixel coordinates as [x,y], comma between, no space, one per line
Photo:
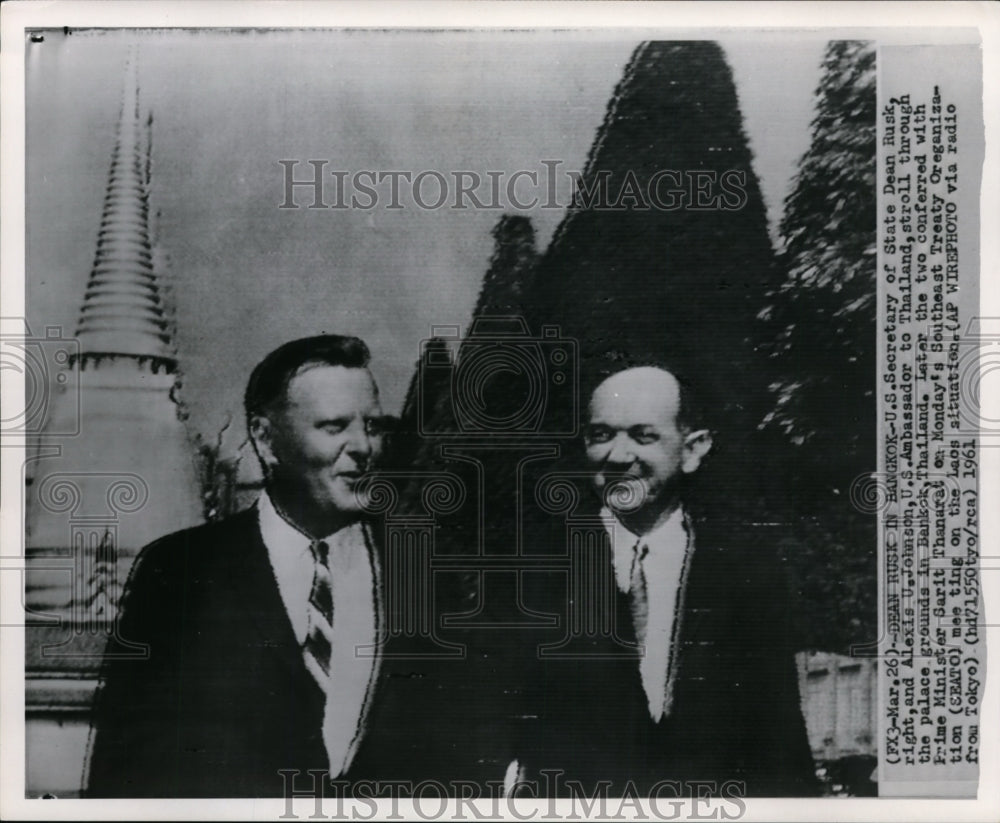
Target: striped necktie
[319,636]
[639,596]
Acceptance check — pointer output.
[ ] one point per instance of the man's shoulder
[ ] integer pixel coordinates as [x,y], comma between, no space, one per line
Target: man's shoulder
[201,544]
[738,539]
[744,554]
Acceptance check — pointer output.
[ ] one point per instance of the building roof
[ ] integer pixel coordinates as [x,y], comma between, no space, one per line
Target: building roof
[123,311]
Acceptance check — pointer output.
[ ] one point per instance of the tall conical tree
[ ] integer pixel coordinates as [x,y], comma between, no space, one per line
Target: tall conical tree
[820,327]
[428,425]
[665,255]
[512,266]
[429,418]
[823,315]
[491,384]
[425,409]
[428,412]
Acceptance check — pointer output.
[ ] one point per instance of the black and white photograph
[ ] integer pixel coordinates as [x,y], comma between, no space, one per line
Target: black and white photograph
[502,415]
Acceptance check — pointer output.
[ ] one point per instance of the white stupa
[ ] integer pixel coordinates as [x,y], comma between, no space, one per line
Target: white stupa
[128,477]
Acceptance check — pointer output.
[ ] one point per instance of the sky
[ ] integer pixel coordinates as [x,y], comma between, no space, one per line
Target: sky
[245,275]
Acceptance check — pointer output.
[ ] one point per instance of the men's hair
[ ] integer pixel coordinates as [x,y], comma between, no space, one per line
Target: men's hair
[269,380]
[693,411]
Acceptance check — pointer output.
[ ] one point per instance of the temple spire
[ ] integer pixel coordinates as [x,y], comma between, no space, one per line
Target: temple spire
[123,312]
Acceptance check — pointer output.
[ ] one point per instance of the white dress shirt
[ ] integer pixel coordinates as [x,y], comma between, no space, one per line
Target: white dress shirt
[664,565]
[354,573]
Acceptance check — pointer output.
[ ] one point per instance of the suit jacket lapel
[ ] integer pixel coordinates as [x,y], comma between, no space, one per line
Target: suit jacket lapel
[698,600]
[258,595]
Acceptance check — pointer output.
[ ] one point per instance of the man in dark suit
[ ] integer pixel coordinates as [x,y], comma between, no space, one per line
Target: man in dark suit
[261,630]
[671,674]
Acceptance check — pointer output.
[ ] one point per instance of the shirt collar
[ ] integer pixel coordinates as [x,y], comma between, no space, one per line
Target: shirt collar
[278,532]
[287,545]
[667,533]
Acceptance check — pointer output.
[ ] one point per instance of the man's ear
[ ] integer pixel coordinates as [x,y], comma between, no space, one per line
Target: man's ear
[697,445]
[261,435]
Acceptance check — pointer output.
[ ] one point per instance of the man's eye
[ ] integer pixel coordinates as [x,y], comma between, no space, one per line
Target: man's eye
[376,427]
[644,436]
[333,427]
[598,434]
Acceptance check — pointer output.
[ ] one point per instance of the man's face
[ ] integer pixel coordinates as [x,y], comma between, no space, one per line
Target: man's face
[325,436]
[633,431]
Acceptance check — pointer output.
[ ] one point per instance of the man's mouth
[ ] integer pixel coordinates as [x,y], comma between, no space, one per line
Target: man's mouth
[625,493]
[619,476]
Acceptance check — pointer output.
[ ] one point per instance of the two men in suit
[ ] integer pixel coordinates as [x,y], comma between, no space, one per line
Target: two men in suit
[262,631]
[258,635]
[672,673]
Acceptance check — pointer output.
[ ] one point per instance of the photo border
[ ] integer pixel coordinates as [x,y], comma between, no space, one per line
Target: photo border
[681,20]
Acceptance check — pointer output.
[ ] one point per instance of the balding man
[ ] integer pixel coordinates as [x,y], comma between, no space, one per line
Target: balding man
[675,677]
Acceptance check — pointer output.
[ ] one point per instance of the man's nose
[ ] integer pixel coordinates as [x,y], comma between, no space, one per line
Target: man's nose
[359,443]
[621,452]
